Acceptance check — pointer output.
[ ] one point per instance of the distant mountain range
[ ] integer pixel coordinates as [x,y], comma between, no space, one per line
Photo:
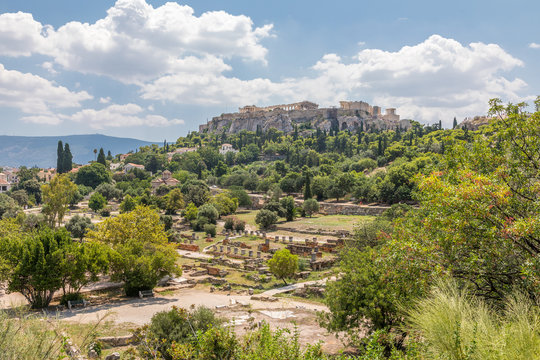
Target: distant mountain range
[40,151]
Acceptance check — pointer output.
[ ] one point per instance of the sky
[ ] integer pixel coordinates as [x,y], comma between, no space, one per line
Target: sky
[155,70]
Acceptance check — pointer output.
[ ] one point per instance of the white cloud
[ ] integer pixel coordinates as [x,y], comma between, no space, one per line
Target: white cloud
[436,79]
[50,119]
[120,116]
[135,42]
[105,100]
[35,95]
[534,45]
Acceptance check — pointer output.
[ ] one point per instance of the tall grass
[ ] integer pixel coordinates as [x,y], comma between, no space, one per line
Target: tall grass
[27,336]
[455,325]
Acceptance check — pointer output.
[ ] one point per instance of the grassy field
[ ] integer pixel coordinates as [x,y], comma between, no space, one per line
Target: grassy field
[328,222]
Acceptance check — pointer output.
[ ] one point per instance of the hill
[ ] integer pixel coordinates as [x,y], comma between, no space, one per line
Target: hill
[41,150]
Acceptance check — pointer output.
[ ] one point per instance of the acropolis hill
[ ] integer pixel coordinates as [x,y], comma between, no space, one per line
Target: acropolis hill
[350,115]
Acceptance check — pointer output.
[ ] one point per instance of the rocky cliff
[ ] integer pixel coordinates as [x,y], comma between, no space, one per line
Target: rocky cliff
[284,120]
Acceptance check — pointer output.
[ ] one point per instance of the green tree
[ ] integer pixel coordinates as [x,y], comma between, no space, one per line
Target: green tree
[20,196]
[101,157]
[287,203]
[140,255]
[209,212]
[454,124]
[57,195]
[109,191]
[175,201]
[97,202]
[60,158]
[307,184]
[93,175]
[8,207]
[224,204]
[283,264]
[266,218]
[190,213]
[310,206]
[78,226]
[67,159]
[128,204]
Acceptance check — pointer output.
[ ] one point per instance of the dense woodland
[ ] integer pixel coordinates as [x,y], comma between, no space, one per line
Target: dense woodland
[451,271]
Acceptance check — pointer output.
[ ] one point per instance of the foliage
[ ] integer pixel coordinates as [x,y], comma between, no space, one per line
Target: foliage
[8,207]
[209,212]
[128,204]
[210,229]
[456,325]
[310,207]
[20,196]
[109,191]
[224,204]
[266,218]
[195,192]
[175,201]
[57,196]
[79,225]
[287,203]
[140,254]
[93,175]
[283,264]
[240,194]
[101,157]
[176,326]
[190,212]
[97,202]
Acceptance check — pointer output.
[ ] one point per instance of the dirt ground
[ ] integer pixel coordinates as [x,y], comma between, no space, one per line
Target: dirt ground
[238,309]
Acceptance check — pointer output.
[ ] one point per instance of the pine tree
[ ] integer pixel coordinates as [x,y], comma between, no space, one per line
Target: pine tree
[60,158]
[455,123]
[101,157]
[67,161]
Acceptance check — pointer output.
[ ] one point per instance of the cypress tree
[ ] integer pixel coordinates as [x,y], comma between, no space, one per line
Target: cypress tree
[60,158]
[68,159]
[101,157]
[440,125]
[307,186]
[455,123]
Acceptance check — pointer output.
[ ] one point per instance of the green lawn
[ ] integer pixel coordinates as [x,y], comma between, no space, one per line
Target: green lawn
[328,222]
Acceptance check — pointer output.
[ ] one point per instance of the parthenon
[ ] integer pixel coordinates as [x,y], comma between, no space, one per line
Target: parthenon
[303,105]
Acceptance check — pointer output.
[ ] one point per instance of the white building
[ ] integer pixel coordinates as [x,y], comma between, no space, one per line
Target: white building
[131,166]
[225,148]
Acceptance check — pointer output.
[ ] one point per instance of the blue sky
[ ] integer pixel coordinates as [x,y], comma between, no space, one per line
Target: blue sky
[155,70]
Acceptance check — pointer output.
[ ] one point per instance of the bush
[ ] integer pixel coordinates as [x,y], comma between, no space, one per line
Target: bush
[174,326]
[209,212]
[198,224]
[229,223]
[310,207]
[105,212]
[190,212]
[239,225]
[210,229]
[97,202]
[266,218]
[70,297]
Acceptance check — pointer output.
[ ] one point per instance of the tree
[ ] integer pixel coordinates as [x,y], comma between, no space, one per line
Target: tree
[310,206]
[266,218]
[93,175]
[283,264]
[97,202]
[8,207]
[60,158]
[190,213]
[57,195]
[224,204]
[109,191]
[78,226]
[141,255]
[454,125]
[20,196]
[175,201]
[67,159]
[101,157]
[287,203]
[195,192]
[209,212]
[307,184]
[128,204]
[210,229]
[241,195]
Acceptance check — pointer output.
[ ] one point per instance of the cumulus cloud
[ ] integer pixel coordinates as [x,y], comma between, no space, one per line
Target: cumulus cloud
[136,42]
[120,116]
[35,95]
[438,78]
[534,45]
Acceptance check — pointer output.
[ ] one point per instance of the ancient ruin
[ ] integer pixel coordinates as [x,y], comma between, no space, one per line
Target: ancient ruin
[351,115]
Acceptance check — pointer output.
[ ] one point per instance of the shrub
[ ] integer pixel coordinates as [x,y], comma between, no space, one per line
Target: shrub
[229,223]
[97,202]
[209,212]
[239,225]
[266,218]
[105,212]
[210,229]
